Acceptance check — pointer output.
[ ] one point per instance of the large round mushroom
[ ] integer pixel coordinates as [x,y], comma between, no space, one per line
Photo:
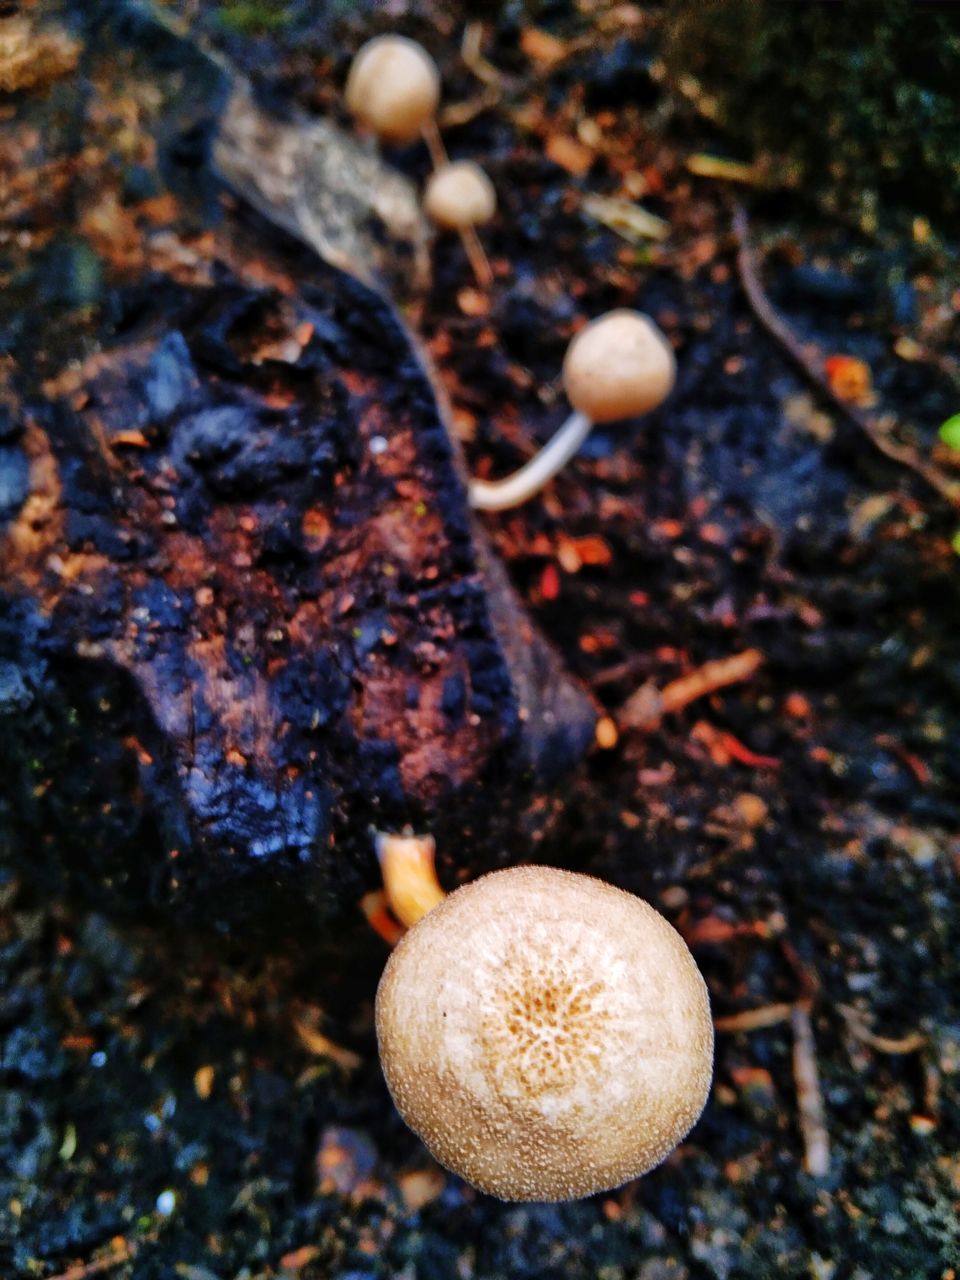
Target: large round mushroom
[547,1035]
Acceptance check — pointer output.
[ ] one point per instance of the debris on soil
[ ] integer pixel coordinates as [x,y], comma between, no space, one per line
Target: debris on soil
[182,1105]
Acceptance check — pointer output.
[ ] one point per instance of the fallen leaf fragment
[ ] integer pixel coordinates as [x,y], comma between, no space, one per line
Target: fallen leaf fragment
[297,1259]
[714,930]
[849,377]
[569,154]
[703,165]
[540,46]
[629,220]
[203,1079]
[374,907]
[31,58]
[323,1047]
[420,1187]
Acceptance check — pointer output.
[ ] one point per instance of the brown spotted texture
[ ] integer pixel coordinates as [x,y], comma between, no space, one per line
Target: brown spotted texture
[547,1035]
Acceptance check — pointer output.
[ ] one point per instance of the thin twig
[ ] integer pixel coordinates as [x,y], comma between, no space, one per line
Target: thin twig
[457,114]
[769,1015]
[857,1024]
[645,708]
[471,47]
[82,1270]
[812,1113]
[763,309]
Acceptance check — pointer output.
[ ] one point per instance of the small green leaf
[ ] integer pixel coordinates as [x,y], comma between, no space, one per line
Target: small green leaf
[955,542]
[950,432]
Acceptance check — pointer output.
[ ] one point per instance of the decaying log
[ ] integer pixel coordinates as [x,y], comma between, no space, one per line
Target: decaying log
[245,613]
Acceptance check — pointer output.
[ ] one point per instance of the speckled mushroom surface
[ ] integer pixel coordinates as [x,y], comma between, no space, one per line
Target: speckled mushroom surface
[546,1034]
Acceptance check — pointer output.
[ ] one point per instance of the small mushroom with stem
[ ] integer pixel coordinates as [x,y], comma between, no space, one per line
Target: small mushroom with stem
[394,88]
[547,1035]
[460,197]
[618,366]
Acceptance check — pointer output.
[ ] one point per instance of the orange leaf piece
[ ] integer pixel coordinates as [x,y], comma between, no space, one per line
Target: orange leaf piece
[569,154]
[540,46]
[849,377]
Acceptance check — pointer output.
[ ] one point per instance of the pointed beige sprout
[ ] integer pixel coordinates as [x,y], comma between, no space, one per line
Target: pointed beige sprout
[408,867]
[619,366]
[393,87]
[547,1035]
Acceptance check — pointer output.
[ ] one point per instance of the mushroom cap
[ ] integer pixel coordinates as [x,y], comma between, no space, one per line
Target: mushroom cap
[393,86]
[618,366]
[546,1034]
[460,195]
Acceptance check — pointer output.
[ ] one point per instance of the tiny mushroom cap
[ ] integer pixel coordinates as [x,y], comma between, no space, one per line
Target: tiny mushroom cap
[394,87]
[547,1035]
[460,195]
[618,366]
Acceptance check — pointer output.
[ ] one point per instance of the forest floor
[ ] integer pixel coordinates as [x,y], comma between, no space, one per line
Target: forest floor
[168,1111]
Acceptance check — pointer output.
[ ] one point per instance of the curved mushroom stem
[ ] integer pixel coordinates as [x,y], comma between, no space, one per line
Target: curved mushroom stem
[431,136]
[478,259]
[409,875]
[511,491]
[472,247]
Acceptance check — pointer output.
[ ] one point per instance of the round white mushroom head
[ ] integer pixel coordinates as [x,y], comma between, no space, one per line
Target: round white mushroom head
[618,366]
[547,1035]
[460,195]
[394,87]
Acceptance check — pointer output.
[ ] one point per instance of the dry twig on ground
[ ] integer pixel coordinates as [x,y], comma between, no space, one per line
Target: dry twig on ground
[647,707]
[763,309]
[812,1113]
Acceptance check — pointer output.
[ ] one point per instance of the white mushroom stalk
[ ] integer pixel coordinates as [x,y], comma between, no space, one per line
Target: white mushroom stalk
[523,484]
[620,365]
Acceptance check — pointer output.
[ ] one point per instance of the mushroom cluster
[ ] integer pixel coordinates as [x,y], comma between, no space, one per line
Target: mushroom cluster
[618,366]
[547,1035]
[394,88]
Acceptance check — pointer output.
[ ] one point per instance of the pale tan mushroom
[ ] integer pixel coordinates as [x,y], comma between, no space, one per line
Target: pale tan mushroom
[618,366]
[393,87]
[460,195]
[547,1035]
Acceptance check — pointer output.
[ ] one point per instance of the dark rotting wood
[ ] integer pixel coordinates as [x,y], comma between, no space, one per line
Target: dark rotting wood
[245,613]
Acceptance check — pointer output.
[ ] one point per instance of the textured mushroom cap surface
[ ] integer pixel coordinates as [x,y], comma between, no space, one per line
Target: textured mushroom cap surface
[547,1035]
[460,195]
[618,366]
[394,87]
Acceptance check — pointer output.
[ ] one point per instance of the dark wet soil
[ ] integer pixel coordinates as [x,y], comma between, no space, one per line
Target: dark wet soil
[172,1106]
